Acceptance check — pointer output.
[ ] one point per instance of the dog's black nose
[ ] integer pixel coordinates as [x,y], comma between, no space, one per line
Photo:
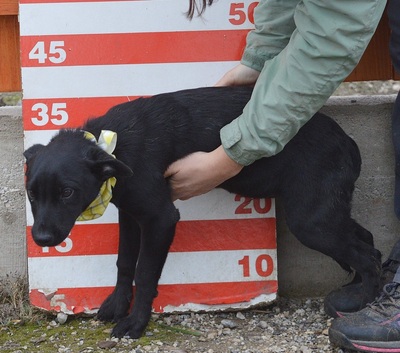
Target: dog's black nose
[43,239]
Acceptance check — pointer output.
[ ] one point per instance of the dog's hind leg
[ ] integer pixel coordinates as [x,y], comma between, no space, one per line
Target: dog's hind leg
[331,231]
[365,236]
[364,259]
[116,306]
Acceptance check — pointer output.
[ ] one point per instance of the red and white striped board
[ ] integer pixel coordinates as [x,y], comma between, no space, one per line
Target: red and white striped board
[79,58]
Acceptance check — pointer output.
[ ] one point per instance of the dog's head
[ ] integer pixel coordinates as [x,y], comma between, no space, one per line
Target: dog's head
[62,179]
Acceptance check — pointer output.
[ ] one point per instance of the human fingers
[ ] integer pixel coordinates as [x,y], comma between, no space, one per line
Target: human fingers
[240,75]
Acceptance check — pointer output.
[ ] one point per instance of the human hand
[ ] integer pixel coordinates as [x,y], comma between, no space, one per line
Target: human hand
[240,75]
[200,172]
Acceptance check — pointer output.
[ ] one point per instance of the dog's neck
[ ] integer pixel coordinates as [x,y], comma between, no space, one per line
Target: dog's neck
[107,141]
[99,205]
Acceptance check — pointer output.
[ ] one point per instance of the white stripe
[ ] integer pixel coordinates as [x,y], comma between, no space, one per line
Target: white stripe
[218,204]
[122,17]
[33,137]
[180,268]
[119,80]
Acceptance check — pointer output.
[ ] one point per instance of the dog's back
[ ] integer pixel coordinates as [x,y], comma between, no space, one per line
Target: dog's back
[169,126]
[172,125]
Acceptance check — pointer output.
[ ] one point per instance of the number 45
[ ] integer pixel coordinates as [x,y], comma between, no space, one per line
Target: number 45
[56,53]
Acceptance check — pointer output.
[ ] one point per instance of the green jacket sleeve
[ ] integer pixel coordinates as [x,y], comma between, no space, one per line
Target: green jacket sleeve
[274,25]
[298,75]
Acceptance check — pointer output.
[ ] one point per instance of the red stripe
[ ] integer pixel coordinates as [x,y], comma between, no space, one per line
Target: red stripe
[234,234]
[78,300]
[212,293]
[78,110]
[139,48]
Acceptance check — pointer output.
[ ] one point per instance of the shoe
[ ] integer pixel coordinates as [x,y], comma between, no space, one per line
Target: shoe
[348,299]
[376,328]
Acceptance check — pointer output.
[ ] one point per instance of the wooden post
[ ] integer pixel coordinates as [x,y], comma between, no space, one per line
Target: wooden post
[10,67]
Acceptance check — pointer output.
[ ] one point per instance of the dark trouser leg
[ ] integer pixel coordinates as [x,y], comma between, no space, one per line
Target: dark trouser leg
[377,327]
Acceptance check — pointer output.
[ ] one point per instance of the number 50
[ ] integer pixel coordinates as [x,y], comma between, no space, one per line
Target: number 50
[239,15]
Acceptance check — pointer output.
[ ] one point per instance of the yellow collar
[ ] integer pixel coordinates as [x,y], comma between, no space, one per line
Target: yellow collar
[107,142]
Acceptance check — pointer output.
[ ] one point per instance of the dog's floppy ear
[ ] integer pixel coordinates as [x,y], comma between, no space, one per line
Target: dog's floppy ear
[111,168]
[106,166]
[32,151]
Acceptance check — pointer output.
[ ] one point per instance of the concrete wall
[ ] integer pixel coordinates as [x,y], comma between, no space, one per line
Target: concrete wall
[368,121]
[12,195]
[302,272]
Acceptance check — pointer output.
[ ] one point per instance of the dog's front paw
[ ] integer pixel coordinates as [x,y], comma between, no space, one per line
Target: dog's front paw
[127,328]
[116,306]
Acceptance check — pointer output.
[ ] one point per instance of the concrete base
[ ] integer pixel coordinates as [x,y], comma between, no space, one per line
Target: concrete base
[302,272]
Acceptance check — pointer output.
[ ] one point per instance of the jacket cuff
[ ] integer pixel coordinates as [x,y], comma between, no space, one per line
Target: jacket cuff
[230,137]
[253,61]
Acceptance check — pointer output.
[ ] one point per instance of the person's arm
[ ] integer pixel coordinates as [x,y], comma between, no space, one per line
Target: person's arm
[273,27]
[200,172]
[326,45]
[328,41]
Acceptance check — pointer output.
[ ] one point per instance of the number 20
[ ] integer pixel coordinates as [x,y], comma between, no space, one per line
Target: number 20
[260,206]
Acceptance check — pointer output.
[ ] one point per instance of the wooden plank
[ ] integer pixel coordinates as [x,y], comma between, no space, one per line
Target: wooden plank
[8,7]
[10,68]
[375,63]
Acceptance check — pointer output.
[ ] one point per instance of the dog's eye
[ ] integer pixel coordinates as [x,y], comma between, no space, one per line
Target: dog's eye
[31,195]
[66,193]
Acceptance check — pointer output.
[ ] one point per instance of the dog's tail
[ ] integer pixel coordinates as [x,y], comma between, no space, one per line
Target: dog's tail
[355,158]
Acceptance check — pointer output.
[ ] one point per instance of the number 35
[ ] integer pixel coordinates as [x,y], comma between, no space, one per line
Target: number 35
[58,116]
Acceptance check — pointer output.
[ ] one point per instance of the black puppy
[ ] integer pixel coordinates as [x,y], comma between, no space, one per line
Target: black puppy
[313,176]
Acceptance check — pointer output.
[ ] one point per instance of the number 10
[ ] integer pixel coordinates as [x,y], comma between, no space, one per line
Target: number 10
[264,265]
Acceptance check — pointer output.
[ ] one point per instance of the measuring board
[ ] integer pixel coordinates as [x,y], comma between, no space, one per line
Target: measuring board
[79,58]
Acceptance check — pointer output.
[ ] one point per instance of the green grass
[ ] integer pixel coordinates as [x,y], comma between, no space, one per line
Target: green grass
[26,329]
[78,335]
[10,99]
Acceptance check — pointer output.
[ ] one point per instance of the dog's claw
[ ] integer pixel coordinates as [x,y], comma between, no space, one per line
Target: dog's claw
[124,328]
[115,307]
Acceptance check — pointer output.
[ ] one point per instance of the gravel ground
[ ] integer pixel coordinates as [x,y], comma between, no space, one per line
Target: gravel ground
[288,325]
